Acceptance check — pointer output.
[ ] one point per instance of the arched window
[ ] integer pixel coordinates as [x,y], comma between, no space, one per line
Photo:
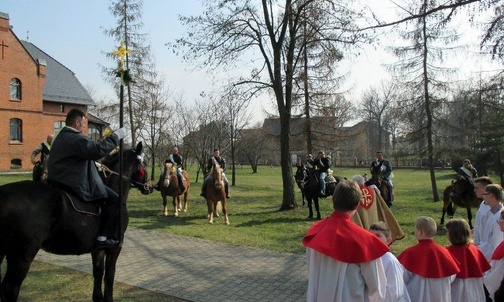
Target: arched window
[15,89]
[16,130]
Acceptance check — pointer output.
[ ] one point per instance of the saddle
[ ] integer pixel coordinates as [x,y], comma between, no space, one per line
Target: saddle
[91,208]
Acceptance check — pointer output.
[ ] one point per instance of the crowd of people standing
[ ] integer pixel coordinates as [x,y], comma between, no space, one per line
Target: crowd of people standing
[346,262]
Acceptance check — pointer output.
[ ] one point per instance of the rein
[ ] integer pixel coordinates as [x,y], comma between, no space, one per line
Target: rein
[107,172]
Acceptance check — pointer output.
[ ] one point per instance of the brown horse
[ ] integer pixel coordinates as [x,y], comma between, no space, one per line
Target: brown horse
[459,193]
[214,193]
[170,187]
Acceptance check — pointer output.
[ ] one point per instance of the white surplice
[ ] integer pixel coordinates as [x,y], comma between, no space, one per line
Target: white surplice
[396,288]
[428,289]
[494,278]
[333,280]
[479,224]
[468,290]
[490,234]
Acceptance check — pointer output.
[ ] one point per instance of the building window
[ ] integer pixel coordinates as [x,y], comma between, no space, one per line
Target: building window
[16,130]
[15,89]
[58,125]
[94,134]
[16,163]
[62,108]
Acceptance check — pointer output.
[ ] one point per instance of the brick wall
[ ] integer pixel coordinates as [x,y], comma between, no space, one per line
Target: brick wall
[37,117]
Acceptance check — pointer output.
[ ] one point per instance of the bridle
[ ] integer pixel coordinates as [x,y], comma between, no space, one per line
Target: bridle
[133,183]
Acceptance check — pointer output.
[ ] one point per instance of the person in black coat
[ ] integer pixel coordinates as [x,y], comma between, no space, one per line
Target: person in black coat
[323,164]
[222,163]
[72,166]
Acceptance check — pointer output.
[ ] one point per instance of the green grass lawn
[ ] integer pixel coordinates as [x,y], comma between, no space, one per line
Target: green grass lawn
[254,217]
[256,199]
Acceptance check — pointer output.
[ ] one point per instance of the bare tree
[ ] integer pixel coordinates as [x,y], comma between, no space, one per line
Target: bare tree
[230,30]
[418,70]
[252,145]
[235,104]
[374,109]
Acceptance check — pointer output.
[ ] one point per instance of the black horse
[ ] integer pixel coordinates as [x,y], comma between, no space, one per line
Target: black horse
[308,180]
[459,193]
[34,215]
[298,177]
[378,181]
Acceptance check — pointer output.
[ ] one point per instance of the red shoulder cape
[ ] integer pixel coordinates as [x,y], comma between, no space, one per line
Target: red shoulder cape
[429,260]
[472,261]
[498,253]
[338,237]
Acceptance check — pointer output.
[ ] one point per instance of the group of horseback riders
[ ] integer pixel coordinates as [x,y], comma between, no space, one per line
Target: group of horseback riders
[176,159]
[322,165]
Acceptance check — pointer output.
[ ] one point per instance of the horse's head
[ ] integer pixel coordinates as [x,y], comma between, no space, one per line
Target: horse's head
[134,169]
[217,176]
[139,177]
[300,173]
[168,172]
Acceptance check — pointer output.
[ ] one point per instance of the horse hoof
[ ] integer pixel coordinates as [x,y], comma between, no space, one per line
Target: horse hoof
[227,222]
[185,211]
[211,222]
[165,214]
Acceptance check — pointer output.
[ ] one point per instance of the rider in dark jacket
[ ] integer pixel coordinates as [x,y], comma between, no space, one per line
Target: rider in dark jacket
[383,165]
[72,166]
[323,164]
[176,159]
[221,162]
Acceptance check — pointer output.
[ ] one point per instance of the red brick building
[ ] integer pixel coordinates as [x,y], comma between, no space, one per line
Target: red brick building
[36,92]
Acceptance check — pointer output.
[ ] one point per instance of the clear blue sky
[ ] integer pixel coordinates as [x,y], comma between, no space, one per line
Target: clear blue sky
[72,33]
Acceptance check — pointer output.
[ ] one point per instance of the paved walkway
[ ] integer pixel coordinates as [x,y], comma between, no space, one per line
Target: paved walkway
[199,270]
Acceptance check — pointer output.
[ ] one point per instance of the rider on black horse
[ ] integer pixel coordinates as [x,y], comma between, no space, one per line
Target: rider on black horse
[385,169]
[323,165]
[469,173]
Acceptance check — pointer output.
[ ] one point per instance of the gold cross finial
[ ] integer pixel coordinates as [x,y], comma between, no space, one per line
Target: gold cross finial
[121,52]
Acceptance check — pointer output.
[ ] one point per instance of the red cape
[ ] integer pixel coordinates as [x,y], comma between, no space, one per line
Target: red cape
[429,260]
[498,253]
[472,261]
[339,238]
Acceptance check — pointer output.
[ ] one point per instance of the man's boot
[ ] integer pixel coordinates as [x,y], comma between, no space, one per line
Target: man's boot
[226,188]
[181,185]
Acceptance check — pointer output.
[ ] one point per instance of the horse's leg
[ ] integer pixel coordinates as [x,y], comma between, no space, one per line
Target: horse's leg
[210,211]
[186,194]
[303,196]
[469,216]
[98,258]
[110,269]
[175,205]
[317,208]
[309,201]
[165,208]
[224,210]
[18,265]
[444,212]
